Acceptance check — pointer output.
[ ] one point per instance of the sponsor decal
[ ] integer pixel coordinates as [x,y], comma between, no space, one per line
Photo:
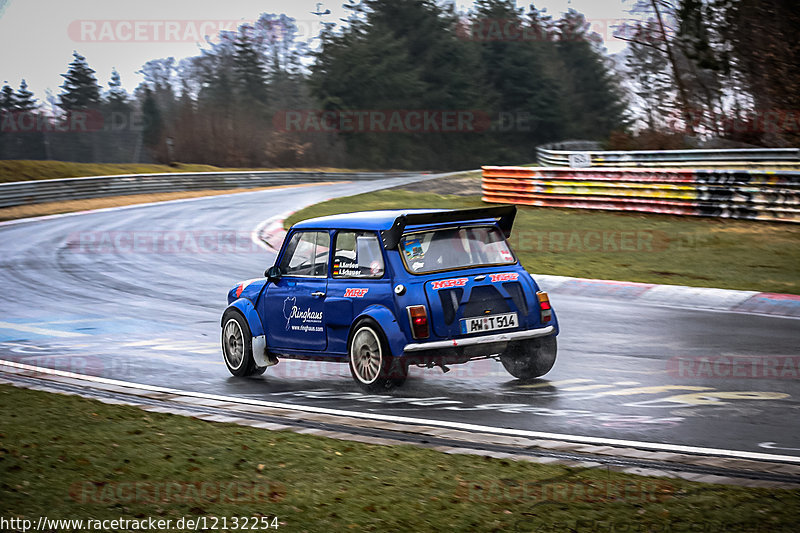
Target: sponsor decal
[447,283]
[413,249]
[342,268]
[508,276]
[355,293]
[292,313]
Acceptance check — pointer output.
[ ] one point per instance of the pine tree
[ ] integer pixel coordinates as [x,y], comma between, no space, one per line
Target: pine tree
[8,100]
[80,88]
[116,96]
[403,55]
[250,79]
[24,98]
[527,97]
[596,107]
[153,124]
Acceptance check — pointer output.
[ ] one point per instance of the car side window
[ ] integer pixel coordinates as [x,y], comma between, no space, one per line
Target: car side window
[307,254]
[357,255]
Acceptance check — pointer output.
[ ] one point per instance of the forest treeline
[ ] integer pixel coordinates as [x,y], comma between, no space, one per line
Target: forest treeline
[415,84]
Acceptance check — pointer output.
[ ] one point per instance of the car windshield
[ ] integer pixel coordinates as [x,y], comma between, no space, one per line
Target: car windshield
[453,248]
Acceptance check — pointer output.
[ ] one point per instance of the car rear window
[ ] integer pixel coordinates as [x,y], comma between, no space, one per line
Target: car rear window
[453,248]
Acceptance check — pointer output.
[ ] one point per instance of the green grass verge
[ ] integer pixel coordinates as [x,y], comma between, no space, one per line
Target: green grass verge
[66,457]
[22,170]
[703,252]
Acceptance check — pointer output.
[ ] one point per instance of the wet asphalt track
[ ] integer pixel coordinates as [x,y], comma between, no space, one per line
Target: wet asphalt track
[93,294]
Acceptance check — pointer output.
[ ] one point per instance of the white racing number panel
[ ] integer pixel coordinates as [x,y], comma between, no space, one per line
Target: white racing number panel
[489,323]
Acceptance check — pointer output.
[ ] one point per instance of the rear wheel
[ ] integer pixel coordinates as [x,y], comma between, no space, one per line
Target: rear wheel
[530,358]
[237,346]
[371,363]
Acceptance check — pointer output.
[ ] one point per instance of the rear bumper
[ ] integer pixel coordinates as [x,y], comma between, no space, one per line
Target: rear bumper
[475,341]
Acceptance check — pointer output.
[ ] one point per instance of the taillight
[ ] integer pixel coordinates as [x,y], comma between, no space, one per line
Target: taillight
[544,306]
[418,318]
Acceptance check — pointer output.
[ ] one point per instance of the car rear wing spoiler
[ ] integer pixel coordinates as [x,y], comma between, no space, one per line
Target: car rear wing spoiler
[504,215]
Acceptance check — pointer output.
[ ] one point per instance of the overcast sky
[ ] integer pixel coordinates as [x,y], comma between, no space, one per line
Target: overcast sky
[37,37]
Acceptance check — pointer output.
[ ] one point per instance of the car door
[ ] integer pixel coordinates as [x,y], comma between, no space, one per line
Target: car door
[358,280]
[294,306]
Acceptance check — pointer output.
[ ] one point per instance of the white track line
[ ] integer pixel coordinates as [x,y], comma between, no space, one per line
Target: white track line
[678,448]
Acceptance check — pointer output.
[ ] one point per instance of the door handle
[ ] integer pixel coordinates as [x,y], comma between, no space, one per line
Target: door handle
[318,294]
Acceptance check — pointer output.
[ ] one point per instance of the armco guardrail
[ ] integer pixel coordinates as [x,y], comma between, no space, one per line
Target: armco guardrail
[746,194]
[33,192]
[586,154]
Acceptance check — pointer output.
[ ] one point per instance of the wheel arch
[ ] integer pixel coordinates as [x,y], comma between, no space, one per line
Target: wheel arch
[258,337]
[246,308]
[385,319]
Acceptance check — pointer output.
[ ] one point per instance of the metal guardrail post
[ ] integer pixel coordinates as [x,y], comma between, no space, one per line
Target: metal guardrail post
[39,191]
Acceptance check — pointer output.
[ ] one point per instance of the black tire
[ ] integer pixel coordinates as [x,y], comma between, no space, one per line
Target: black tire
[237,346]
[530,358]
[371,363]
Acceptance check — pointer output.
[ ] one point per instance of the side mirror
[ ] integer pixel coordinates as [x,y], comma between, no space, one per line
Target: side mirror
[273,273]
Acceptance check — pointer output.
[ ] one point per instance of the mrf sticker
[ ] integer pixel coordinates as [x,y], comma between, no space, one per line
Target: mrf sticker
[355,293]
[508,276]
[448,283]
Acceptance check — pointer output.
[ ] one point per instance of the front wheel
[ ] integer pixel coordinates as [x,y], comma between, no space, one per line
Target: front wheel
[371,363]
[237,346]
[530,358]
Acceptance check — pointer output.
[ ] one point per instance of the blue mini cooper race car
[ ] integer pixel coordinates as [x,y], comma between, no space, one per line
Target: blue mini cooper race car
[382,290]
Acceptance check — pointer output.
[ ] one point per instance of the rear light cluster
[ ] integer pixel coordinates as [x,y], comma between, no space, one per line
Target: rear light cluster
[418,318]
[544,306]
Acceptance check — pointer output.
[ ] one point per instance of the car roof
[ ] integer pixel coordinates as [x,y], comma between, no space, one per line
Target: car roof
[392,223]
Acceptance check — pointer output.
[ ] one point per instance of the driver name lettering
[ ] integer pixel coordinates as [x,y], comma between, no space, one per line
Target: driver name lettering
[447,283]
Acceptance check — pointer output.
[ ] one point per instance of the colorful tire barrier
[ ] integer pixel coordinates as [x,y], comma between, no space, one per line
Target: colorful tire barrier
[745,194]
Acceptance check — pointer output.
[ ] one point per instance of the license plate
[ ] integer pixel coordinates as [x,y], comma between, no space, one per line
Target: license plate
[488,323]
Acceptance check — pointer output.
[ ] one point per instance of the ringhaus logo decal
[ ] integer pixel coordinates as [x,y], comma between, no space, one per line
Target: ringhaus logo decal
[301,320]
[510,276]
[447,283]
[355,293]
